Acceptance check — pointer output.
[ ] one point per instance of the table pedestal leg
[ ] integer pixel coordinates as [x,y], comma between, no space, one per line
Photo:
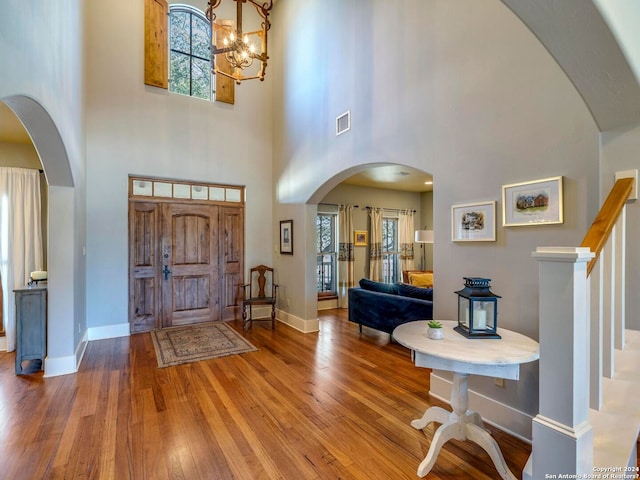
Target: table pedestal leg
[433,414]
[460,424]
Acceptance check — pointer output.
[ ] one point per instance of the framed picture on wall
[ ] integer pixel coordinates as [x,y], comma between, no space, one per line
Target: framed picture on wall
[538,202]
[360,238]
[286,237]
[474,222]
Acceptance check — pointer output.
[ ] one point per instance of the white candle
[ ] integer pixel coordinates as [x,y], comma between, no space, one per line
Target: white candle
[480,319]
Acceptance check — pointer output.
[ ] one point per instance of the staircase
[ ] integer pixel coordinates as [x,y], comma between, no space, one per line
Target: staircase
[616,425]
[589,417]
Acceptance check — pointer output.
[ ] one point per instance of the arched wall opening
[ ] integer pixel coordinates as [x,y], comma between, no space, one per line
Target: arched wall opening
[61,356]
[300,301]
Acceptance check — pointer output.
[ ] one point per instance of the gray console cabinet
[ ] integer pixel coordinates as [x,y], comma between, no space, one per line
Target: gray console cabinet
[31,328]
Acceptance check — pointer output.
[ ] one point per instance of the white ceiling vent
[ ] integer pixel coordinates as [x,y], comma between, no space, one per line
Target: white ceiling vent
[343,123]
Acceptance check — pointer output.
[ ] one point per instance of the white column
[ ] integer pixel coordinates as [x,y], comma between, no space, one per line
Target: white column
[562,435]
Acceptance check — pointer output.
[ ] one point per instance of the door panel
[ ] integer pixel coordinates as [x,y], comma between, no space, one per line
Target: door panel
[144,278]
[190,286]
[232,248]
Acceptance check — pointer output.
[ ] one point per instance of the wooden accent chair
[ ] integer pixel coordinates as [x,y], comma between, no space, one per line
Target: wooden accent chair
[262,276]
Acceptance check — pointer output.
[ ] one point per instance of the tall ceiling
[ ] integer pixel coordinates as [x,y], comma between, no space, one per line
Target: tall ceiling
[393,177]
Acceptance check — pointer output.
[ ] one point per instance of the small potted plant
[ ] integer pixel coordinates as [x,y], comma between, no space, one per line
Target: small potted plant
[434,331]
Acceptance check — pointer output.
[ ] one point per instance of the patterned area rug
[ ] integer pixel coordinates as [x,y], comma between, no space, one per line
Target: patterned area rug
[193,343]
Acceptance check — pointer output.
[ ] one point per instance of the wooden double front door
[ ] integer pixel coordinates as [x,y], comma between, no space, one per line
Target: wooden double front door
[185,263]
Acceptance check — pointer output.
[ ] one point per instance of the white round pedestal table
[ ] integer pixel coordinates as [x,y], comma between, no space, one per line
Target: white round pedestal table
[499,358]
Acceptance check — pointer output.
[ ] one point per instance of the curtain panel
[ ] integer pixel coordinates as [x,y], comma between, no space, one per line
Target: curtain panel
[375,244]
[406,236]
[20,237]
[346,258]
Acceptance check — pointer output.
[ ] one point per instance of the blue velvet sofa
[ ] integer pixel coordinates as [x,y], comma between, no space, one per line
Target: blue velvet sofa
[384,306]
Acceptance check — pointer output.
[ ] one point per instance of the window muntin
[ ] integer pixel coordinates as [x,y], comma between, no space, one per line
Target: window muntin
[326,254]
[190,52]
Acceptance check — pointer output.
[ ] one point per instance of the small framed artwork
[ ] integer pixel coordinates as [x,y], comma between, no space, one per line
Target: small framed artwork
[360,238]
[286,237]
[474,222]
[538,202]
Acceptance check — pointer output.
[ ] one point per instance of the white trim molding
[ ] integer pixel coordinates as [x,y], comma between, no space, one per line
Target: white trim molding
[304,326]
[54,366]
[108,331]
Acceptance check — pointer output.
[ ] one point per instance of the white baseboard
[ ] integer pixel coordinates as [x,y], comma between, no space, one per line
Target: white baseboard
[504,417]
[108,331]
[327,304]
[304,326]
[82,347]
[55,366]
[3,344]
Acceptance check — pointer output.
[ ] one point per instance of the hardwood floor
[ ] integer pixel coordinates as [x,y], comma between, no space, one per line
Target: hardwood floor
[331,405]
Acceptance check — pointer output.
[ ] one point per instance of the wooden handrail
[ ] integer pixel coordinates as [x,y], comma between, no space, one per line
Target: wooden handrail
[607,217]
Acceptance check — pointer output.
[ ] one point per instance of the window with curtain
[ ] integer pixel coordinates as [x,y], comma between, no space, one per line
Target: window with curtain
[326,254]
[190,52]
[390,250]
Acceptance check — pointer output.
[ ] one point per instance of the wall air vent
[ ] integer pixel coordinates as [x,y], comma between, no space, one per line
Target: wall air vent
[343,123]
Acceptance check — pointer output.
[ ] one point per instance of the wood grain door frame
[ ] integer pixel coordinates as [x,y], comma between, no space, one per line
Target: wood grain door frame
[146,309]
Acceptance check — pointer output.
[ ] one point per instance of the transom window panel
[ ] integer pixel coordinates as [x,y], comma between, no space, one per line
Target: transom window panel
[190,52]
[185,191]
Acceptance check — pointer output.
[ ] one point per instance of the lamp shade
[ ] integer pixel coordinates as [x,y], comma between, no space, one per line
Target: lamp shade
[424,236]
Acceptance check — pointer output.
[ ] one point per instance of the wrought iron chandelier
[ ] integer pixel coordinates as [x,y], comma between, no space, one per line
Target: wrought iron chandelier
[236,46]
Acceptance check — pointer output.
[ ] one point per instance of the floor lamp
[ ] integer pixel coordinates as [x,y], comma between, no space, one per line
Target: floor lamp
[423,236]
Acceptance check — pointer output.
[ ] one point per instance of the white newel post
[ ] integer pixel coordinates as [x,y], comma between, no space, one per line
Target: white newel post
[562,435]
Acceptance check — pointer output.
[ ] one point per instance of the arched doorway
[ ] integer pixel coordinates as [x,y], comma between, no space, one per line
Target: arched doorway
[63,289]
[405,196]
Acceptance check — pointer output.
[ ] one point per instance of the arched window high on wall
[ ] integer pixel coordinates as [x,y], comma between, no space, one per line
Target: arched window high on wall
[190,52]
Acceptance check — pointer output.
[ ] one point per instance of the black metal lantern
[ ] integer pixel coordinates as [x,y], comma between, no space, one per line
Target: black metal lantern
[477,309]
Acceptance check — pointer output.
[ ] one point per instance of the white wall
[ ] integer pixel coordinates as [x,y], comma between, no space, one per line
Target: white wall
[136,129]
[430,86]
[41,62]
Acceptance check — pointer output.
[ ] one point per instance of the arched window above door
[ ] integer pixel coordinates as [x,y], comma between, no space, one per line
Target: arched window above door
[190,52]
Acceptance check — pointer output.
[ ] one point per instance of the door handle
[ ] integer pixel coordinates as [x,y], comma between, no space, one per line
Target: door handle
[166,272]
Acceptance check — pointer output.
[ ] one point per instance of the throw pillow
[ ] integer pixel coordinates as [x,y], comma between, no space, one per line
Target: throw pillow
[381,287]
[421,279]
[412,291]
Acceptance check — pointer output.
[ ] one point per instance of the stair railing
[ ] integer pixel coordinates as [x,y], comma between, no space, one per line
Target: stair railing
[606,272]
[581,309]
